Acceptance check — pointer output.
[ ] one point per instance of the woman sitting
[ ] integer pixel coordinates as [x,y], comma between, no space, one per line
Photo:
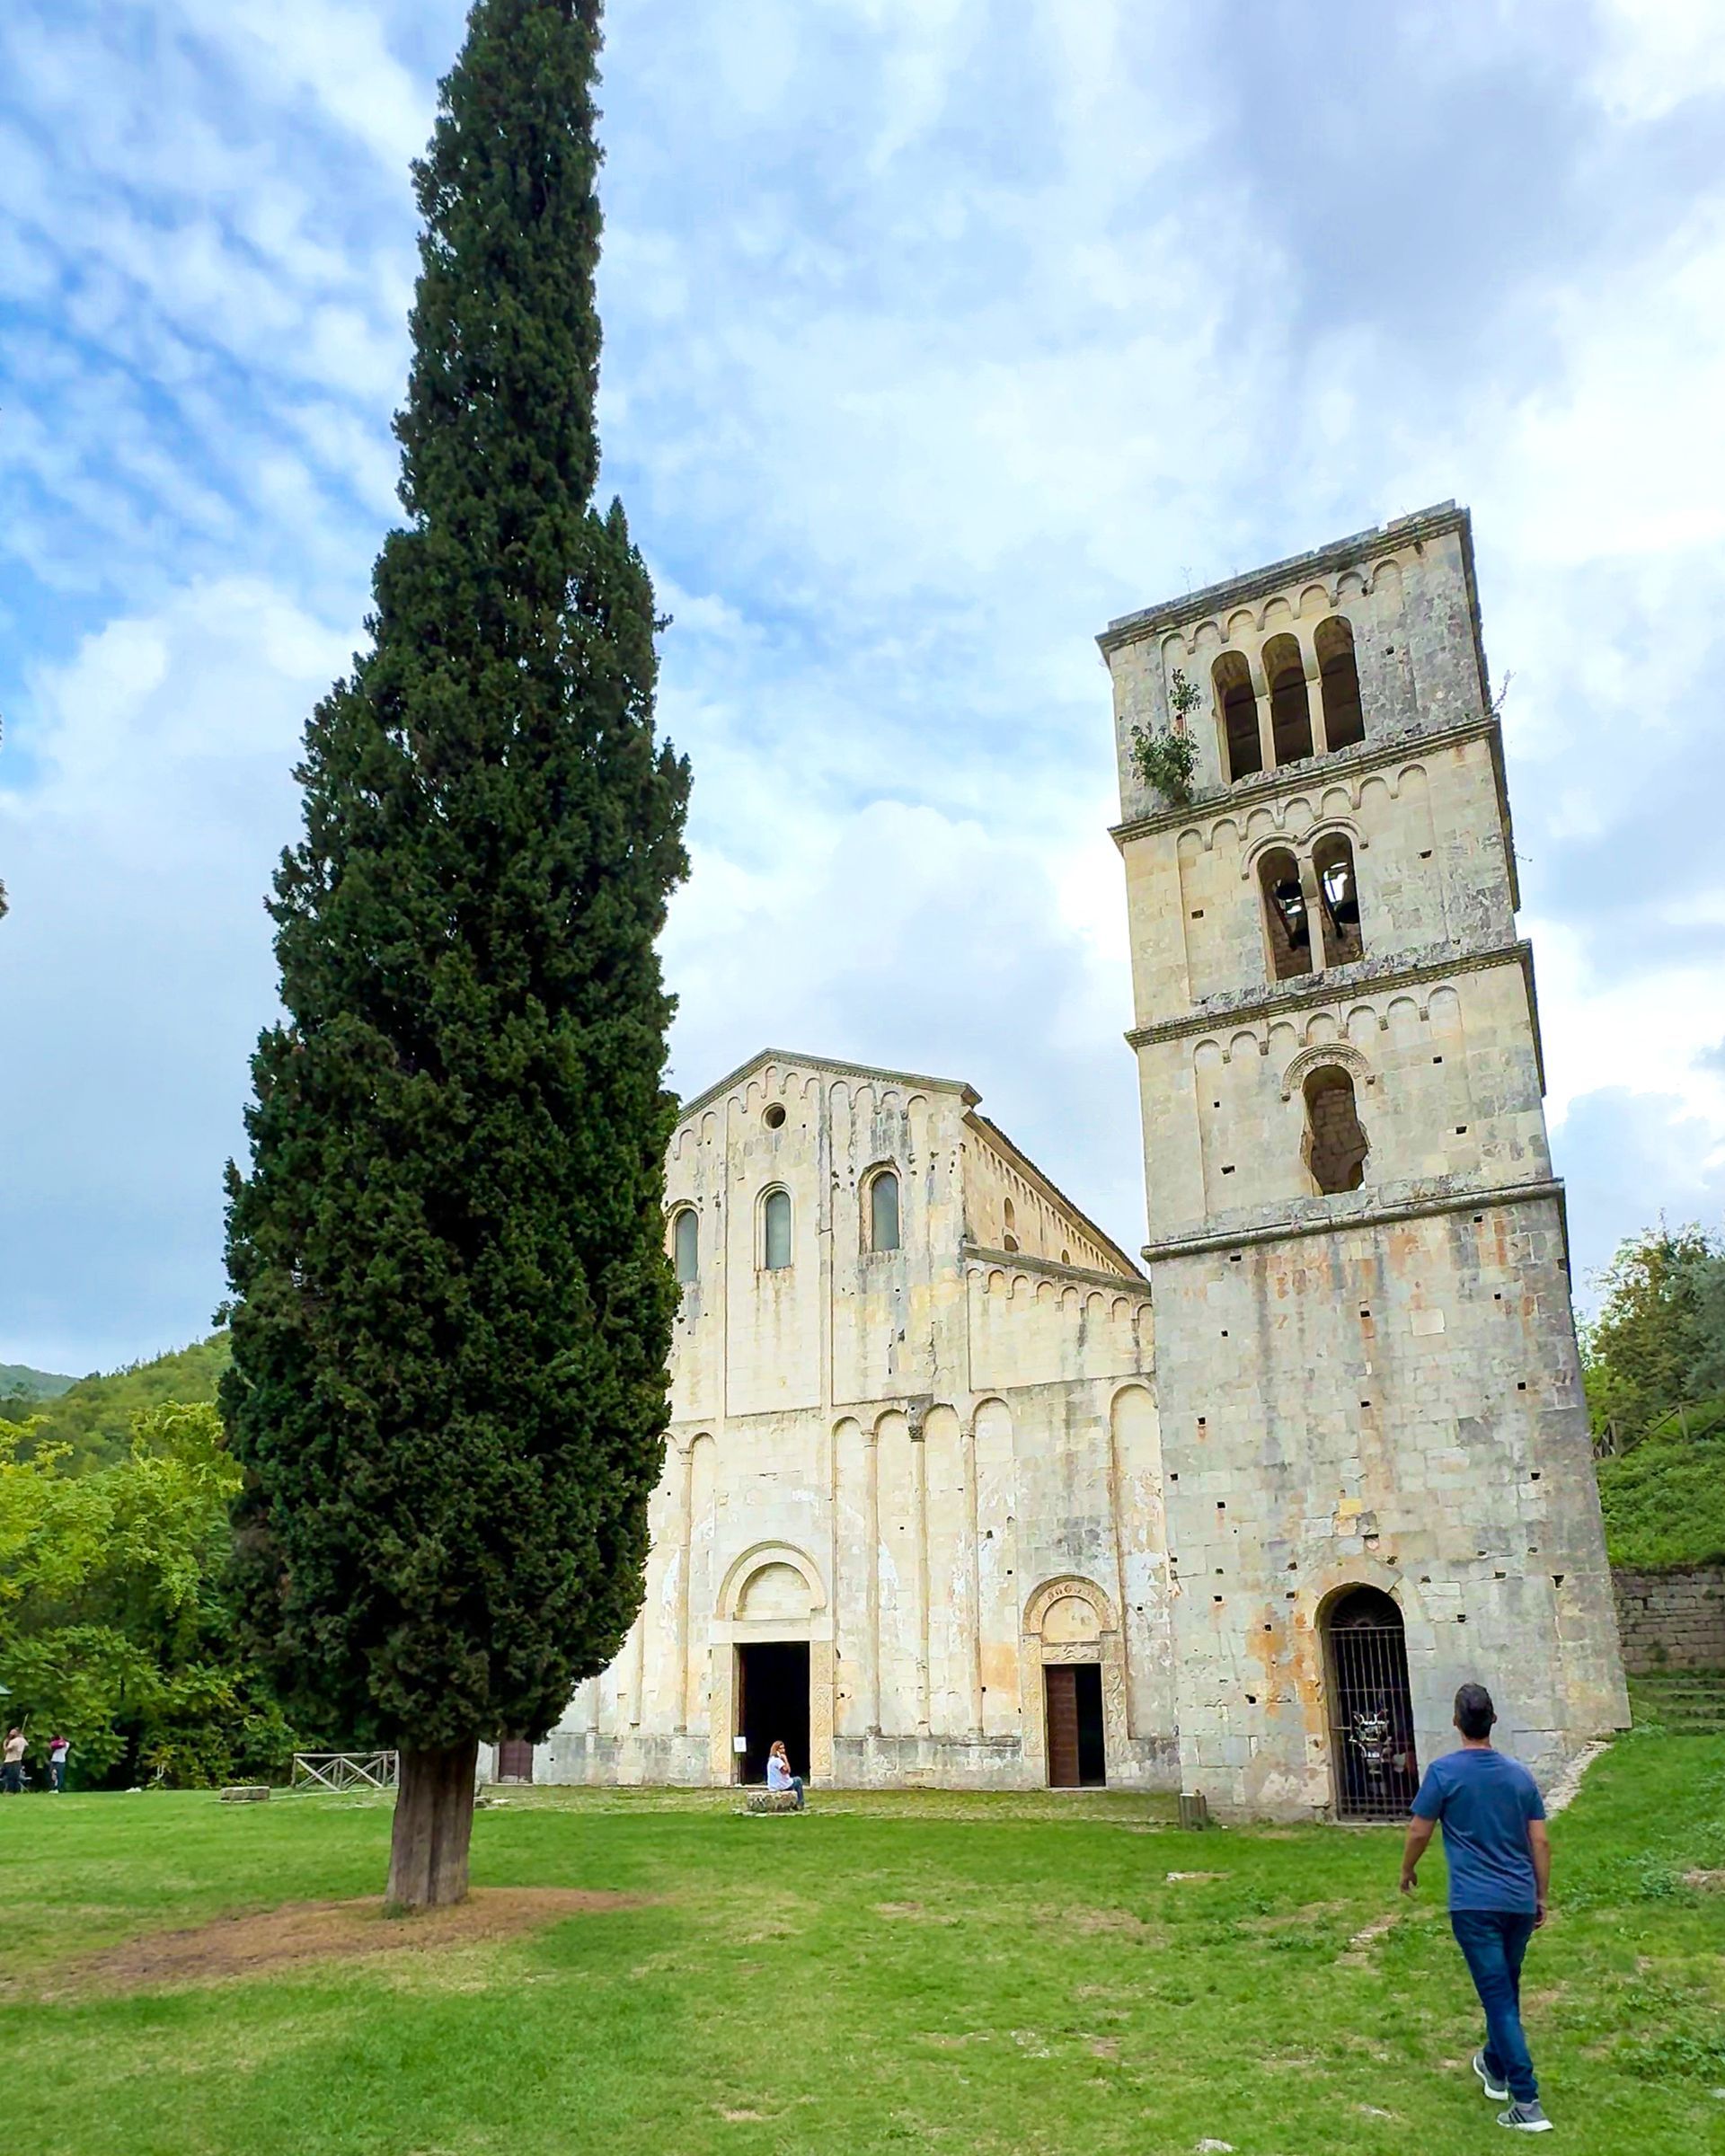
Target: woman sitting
[780,1777]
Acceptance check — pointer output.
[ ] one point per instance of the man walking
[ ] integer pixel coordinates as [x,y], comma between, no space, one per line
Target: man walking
[1500,1870]
[11,1762]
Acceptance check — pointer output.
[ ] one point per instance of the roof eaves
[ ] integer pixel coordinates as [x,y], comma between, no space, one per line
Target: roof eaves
[1035,1174]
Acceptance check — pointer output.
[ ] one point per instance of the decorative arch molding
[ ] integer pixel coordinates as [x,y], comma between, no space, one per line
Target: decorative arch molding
[1325,1052]
[756,1558]
[1285,608]
[1303,841]
[1068,1587]
[1351,786]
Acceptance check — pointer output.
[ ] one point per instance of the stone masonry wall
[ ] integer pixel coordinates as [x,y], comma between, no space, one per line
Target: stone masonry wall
[1671,1620]
[1399,1406]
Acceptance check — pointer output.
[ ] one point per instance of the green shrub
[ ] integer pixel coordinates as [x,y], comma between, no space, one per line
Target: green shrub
[1664,1503]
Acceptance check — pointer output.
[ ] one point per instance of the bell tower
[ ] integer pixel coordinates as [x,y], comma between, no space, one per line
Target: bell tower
[1379,1481]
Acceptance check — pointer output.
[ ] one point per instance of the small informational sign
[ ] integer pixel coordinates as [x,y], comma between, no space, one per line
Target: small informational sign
[739,1745]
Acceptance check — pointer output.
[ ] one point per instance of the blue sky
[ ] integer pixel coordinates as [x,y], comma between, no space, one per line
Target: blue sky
[937,334]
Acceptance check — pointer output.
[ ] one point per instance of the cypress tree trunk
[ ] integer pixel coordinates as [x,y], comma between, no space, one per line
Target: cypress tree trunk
[433,1827]
[452,1302]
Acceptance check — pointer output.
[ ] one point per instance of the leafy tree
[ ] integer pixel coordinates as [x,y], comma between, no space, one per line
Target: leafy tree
[452,1305]
[1706,1379]
[1650,1344]
[113,1630]
[96,1417]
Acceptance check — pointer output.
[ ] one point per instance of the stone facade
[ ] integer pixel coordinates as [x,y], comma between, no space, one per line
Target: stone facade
[1369,1376]
[1671,1620]
[935,1464]
[921,1430]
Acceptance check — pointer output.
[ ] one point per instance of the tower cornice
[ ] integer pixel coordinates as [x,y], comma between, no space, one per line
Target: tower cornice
[1278,999]
[1377,540]
[1341,766]
[1340,1217]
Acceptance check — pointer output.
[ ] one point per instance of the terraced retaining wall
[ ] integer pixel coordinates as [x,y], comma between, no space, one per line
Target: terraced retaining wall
[1671,1620]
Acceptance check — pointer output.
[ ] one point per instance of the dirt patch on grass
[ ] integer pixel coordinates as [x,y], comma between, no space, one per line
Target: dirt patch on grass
[1357,1953]
[265,1941]
[915,1912]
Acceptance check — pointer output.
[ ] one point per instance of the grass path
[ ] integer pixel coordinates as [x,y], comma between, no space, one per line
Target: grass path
[884,1974]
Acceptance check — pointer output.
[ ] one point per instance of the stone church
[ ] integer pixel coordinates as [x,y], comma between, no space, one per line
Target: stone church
[959,1493]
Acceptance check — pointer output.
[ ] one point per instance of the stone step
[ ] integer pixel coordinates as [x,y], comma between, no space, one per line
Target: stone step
[1686,1702]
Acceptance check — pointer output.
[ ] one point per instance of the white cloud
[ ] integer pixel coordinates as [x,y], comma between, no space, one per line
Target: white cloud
[1656,55]
[336,56]
[937,332]
[135,967]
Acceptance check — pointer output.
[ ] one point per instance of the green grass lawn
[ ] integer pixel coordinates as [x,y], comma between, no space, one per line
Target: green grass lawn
[886,1973]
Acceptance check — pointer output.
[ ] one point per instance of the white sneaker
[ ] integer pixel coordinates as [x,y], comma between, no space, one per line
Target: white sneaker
[1493,2089]
[1525,2118]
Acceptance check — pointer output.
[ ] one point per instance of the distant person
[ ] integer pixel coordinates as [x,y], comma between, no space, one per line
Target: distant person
[58,1749]
[780,1777]
[1500,1862]
[11,1762]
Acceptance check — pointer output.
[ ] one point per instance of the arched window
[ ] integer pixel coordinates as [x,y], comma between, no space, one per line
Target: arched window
[775,1231]
[1332,864]
[1344,722]
[1238,709]
[1290,708]
[1009,1241]
[883,1211]
[1371,1706]
[1335,1142]
[685,1244]
[1288,925]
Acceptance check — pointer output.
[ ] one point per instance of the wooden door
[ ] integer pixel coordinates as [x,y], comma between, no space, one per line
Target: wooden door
[515,1760]
[1060,1688]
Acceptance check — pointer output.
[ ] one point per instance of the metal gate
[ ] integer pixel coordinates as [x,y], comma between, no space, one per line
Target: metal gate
[1371,1721]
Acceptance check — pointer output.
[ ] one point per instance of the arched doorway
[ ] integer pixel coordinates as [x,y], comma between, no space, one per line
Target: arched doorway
[1071,1636]
[1372,1758]
[772,1668]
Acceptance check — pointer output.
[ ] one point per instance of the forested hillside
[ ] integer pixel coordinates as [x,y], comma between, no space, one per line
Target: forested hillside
[18,1382]
[94,1417]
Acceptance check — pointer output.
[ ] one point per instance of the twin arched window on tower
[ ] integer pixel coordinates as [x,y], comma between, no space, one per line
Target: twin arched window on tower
[1294,890]
[1287,696]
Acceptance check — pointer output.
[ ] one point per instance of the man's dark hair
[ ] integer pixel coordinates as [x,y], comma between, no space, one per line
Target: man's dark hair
[1474,1713]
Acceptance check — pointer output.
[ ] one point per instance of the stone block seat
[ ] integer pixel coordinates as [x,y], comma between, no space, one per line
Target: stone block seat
[770,1800]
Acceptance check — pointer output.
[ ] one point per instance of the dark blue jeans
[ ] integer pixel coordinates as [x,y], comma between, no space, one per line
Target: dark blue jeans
[1494,1942]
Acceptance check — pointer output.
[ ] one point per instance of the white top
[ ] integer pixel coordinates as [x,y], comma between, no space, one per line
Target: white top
[778,1775]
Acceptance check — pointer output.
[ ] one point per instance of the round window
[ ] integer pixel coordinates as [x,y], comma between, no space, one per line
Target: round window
[773,1116]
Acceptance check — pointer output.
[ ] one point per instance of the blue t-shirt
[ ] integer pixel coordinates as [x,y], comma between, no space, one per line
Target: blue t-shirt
[1485,1800]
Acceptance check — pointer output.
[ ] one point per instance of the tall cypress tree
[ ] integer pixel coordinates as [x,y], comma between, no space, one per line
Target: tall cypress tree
[451,1305]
